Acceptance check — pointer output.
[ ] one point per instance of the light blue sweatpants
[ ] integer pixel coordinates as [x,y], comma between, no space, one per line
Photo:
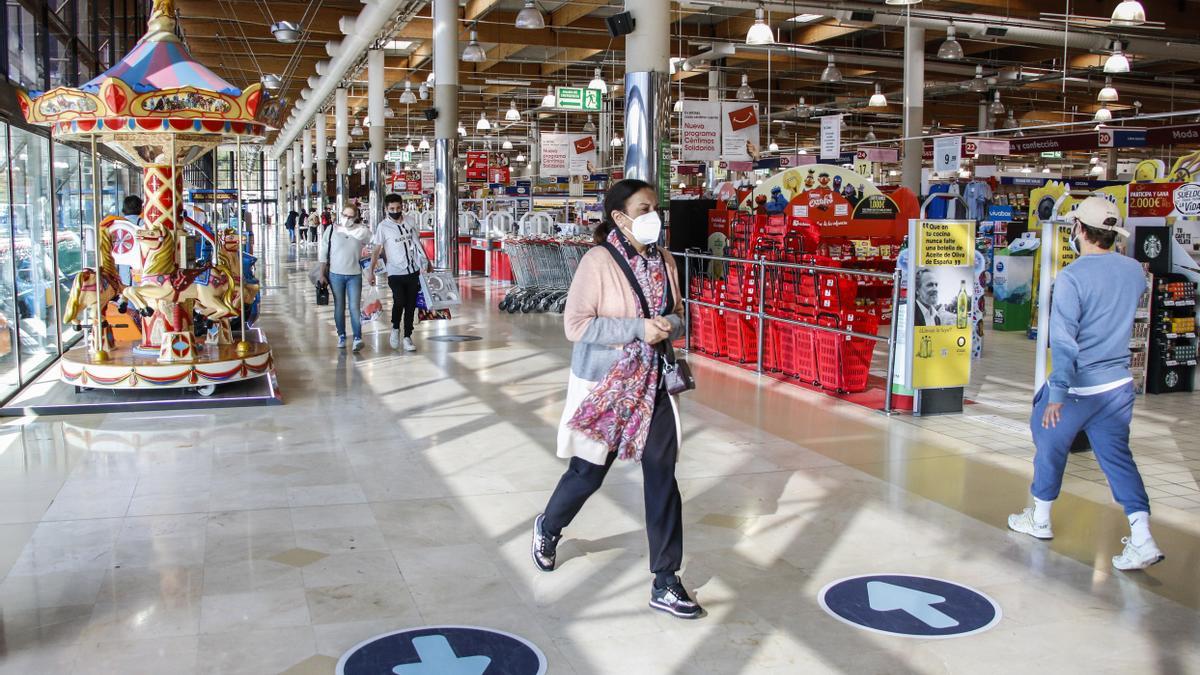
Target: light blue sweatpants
[1105,419]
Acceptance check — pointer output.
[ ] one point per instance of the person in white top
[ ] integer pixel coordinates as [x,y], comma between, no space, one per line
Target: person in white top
[340,251]
[400,245]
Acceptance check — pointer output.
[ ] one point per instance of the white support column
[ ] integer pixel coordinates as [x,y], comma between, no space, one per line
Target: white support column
[716,78]
[308,164]
[983,114]
[647,95]
[341,142]
[298,175]
[377,134]
[914,106]
[283,188]
[445,149]
[322,153]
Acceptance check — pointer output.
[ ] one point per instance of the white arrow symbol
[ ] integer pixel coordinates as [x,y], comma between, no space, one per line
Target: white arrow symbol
[438,658]
[885,597]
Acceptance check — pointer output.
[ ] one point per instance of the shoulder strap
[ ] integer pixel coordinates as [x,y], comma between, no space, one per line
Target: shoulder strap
[637,287]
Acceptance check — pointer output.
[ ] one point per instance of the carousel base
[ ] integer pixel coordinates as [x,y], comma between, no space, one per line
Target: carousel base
[128,382]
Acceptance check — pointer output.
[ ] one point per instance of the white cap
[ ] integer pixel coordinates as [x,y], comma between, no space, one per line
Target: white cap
[1101,214]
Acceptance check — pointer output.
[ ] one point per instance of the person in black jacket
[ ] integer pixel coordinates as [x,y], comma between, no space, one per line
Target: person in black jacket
[290,224]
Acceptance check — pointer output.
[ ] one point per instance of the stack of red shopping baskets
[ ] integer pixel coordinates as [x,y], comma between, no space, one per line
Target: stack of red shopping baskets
[844,361]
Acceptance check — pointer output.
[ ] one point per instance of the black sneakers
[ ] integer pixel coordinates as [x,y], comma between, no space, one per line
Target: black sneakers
[545,547]
[674,600]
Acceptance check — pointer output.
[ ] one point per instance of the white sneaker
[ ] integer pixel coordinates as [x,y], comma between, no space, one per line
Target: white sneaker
[394,340]
[341,342]
[1023,522]
[358,345]
[1136,557]
[409,346]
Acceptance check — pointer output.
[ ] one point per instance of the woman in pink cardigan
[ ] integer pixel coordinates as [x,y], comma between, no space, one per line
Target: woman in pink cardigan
[616,405]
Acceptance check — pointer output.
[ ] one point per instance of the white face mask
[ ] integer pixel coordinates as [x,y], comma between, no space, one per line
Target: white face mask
[646,228]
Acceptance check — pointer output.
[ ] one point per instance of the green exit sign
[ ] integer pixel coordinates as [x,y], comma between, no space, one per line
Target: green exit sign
[398,156]
[578,98]
[1053,154]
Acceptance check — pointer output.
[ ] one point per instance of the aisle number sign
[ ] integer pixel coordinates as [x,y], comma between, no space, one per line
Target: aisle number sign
[578,98]
[941,291]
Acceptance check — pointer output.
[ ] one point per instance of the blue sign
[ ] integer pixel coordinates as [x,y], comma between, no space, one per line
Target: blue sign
[1000,214]
[444,650]
[910,606]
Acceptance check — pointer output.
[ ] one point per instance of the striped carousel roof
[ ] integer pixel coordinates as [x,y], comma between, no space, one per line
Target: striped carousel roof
[162,63]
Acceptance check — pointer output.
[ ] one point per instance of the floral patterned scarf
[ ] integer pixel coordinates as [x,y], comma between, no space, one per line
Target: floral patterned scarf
[618,410]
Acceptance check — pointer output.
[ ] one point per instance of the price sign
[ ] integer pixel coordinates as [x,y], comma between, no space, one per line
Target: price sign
[947,154]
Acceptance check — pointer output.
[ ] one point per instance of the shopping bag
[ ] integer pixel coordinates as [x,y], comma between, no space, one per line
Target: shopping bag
[433,315]
[440,290]
[372,306]
[421,301]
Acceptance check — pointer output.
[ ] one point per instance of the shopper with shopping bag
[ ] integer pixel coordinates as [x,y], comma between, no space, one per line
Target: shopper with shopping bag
[339,252]
[1090,388]
[617,405]
[400,245]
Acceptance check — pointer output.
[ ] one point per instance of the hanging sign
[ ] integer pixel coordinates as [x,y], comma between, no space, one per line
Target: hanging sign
[739,131]
[578,98]
[583,158]
[701,131]
[831,137]
[997,147]
[477,166]
[555,155]
[940,287]
[878,155]
[947,154]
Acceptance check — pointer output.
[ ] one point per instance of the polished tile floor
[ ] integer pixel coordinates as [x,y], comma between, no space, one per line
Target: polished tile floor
[397,490]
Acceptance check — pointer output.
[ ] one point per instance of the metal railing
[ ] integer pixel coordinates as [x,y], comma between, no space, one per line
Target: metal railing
[761,267]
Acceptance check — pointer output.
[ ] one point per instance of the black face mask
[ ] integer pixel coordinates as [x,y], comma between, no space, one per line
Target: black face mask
[394,216]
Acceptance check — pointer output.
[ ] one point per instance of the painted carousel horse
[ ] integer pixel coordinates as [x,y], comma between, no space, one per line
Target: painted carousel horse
[168,294]
[84,288]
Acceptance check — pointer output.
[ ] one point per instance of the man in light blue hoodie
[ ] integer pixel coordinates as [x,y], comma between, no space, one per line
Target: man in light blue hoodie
[1090,388]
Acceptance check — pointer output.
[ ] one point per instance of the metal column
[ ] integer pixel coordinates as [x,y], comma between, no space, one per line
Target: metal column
[914,106]
[322,153]
[341,143]
[308,164]
[647,95]
[445,148]
[377,134]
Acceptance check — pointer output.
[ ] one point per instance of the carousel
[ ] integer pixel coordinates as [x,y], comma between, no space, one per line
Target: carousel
[163,111]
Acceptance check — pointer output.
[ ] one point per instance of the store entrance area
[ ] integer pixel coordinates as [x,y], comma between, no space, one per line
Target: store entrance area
[396,490]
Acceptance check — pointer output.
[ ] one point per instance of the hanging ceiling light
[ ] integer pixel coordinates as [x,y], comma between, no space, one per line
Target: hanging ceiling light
[1129,13]
[951,49]
[590,127]
[410,148]
[1117,62]
[462,131]
[1011,122]
[530,18]
[978,85]
[423,91]
[803,151]
[513,115]
[357,130]
[996,108]
[831,74]
[271,81]
[549,100]
[408,98]
[424,145]
[598,82]
[1103,115]
[483,124]
[429,80]
[760,33]
[871,137]
[878,100]
[506,145]
[285,31]
[744,92]
[520,157]
[773,147]
[616,141]
[902,3]
[1109,93]
[1098,170]
[678,105]
[474,53]
[388,113]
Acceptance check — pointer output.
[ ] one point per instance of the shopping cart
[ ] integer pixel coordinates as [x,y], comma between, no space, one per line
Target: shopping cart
[543,267]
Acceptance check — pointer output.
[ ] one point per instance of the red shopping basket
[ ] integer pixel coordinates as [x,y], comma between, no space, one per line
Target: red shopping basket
[741,337]
[843,361]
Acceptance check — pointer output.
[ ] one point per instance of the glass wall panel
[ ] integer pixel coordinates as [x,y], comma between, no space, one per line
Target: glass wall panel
[24,66]
[68,183]
[9,377]
[60,63]
[33,239]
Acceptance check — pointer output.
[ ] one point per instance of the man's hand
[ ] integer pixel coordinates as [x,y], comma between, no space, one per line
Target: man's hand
[1051,417]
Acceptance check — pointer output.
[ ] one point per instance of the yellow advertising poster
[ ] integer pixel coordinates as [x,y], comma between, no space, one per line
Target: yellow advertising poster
[939,301]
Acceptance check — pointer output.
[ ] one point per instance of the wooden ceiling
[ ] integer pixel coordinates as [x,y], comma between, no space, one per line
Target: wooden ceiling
[233,37]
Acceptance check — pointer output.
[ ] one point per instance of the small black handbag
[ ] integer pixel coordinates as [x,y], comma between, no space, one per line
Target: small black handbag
[322,294]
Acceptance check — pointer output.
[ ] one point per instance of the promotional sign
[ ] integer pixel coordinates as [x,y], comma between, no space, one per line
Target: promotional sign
[477,166]
[499,174]
[1001,213]
[701,131]
[947,154]
[578,98]
[568,155]
[831,137]
[444,650]
[835,199]
[739,131]
[583,154]
[406,181]
[941,284]
[909,606]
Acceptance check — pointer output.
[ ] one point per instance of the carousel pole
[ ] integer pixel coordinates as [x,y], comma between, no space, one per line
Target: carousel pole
[211,211]
[99,355]
[243,347]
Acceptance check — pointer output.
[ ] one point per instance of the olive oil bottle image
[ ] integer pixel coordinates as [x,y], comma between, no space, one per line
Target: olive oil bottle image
[964,305]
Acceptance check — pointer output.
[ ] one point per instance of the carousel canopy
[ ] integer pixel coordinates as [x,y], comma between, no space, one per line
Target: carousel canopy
[158,62]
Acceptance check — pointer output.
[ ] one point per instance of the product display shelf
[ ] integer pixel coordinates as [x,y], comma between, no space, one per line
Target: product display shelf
[1173,346]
